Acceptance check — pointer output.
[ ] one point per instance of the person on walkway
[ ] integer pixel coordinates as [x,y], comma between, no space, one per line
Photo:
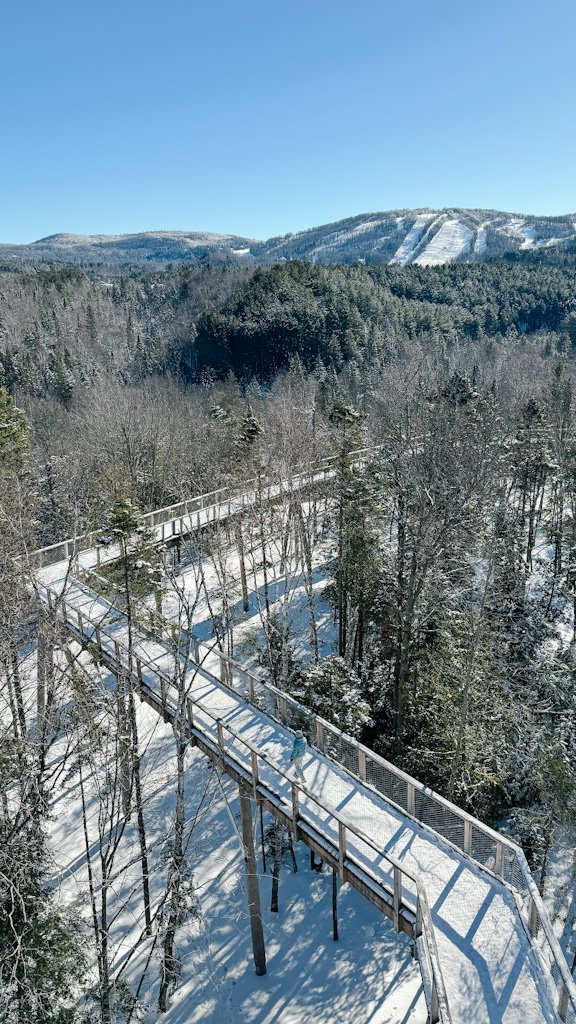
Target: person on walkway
[297,755]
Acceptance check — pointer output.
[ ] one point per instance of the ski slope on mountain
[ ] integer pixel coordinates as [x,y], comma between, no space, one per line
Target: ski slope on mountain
[452,241]
[393,236]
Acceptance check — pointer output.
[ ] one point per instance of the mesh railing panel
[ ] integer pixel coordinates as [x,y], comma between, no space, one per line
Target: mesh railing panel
[512,871]
[240,681]
[483,848]
[439,817]
[264,699]
[392,786]
[341,750]
[294,718]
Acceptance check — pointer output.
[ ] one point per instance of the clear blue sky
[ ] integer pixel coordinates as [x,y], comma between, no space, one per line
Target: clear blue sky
[260,117]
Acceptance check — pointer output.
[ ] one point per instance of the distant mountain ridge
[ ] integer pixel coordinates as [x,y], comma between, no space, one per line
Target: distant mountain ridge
[425,237]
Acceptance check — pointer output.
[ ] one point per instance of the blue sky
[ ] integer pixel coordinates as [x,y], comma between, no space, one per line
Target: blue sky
[259,117]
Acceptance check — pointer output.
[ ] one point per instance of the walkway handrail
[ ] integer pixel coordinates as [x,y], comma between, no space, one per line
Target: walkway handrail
[492,850]
[343,827]
[182,510]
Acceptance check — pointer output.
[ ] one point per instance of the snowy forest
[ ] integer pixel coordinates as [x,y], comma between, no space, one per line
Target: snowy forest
[422,599]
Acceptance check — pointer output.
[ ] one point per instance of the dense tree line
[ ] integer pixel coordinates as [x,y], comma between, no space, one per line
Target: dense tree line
[453,577]
[62,329]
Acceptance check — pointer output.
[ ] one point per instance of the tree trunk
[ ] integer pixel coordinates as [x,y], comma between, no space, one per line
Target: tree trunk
[140,812]
[105,1012]
[243,581]
[276,864]
[254,909]
[308,581]
[168,969]
[135,754]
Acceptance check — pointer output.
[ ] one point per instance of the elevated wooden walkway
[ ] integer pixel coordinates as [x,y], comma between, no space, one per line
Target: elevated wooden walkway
[463,891]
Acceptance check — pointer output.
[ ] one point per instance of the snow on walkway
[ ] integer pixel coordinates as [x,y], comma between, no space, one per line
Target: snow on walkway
[491,971]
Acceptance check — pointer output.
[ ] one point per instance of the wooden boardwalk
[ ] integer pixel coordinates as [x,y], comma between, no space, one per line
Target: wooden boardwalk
[464,892]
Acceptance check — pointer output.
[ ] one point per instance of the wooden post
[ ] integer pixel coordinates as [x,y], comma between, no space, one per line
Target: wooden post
[499,865]
[254,908]
[468,837]
[334,905]
[397,896]
[254,759]
[410,799]
[362,765]
[319,735]
[262,838]
[315,865]
[276,865]
[295,809]
[341,848]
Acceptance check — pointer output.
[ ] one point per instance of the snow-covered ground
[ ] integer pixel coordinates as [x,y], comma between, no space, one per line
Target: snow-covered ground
[491,971]
[369,975]
[504,983]
[244,632]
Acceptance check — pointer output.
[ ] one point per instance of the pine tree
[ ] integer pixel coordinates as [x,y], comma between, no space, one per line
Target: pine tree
[138,570]
[40,957]
[332,690]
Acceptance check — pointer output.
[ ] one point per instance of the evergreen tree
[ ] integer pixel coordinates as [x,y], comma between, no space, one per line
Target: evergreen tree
[332,690]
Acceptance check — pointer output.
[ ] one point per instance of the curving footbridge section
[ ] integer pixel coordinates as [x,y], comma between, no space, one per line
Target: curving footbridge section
[462,891]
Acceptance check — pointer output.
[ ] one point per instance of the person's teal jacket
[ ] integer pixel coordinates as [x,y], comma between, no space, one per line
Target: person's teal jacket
[299,748]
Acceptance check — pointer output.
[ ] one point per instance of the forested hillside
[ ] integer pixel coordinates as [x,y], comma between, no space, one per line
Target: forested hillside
[63,329]
[437,578]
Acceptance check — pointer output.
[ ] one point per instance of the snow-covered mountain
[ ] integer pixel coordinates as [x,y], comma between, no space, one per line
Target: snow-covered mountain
[154,246]
[425,237]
